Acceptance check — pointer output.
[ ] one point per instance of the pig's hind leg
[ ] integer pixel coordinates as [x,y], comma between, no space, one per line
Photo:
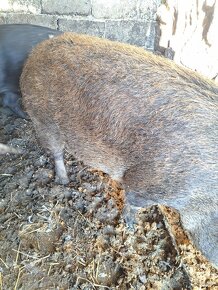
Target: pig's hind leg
[135,193]
[60,170]
[50,138]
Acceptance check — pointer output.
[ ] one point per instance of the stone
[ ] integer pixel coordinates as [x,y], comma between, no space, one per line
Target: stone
[42,20]
[129,31]
[147,9]
[3,18]
[96,28]
[114,9]
[18,6]
[67,7]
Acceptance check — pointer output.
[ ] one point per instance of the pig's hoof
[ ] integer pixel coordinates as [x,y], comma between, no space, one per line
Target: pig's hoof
[62,180]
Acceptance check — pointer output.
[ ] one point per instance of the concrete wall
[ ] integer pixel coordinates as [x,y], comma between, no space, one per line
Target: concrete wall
[131,21]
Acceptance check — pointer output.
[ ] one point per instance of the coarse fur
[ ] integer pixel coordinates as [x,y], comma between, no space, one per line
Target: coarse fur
[147,122]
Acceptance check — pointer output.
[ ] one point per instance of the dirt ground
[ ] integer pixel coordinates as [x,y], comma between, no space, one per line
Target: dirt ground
[74,237]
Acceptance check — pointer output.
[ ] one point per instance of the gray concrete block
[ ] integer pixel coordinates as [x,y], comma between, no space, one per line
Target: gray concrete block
[42,20]
[114,9]
[150,36]
[18,6]
[96,28]
[67,7]
[147,9]
[3,18]
[133,32]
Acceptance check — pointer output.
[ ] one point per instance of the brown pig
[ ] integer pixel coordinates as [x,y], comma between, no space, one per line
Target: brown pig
[147,122]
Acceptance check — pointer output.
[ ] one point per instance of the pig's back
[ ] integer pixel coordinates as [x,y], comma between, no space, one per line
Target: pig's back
[116,98]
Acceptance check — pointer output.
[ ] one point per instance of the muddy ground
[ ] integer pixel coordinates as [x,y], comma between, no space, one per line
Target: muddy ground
[74,237]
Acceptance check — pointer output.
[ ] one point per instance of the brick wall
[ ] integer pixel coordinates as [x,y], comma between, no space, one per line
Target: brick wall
[187,30]
[131,21]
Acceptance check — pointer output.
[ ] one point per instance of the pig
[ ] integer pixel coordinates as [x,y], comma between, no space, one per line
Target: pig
[147,122]
[16,42]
